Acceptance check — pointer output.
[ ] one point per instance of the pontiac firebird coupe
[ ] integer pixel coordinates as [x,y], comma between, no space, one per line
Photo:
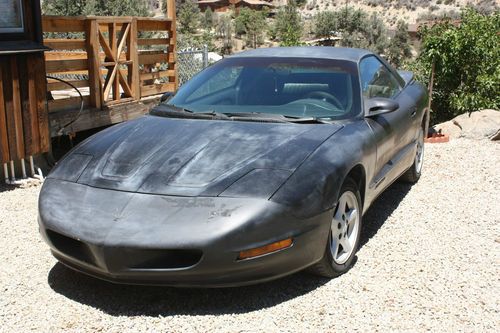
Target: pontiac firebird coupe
[260,166]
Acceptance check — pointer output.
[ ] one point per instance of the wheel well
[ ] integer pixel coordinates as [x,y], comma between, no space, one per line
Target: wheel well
[358,174]
[425,121]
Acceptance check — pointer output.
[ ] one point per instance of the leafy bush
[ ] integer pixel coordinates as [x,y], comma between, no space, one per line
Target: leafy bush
[467,64]
[95,7]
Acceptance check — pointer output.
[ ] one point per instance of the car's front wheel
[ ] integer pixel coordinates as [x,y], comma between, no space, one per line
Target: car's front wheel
[344,233]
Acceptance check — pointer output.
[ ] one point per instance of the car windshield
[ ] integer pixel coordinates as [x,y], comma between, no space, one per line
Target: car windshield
[293,87]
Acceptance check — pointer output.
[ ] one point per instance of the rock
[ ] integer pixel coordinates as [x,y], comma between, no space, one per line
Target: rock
[479,125]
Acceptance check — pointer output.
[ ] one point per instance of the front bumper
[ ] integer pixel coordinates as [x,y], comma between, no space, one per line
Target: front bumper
[164,240]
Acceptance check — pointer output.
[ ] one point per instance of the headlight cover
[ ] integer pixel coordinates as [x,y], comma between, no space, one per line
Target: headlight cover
[258,183]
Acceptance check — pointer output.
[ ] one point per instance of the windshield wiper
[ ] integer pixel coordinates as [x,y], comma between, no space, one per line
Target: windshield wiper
[272,117]
[306,120]
[170,110]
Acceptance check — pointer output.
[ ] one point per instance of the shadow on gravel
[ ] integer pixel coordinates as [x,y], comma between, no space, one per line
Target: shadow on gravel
[381,209]
[127,300]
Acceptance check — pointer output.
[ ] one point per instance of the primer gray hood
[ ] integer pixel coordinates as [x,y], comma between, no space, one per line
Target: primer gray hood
[191,157]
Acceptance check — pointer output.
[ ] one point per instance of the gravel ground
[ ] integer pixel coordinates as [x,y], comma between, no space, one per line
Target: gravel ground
[430,260]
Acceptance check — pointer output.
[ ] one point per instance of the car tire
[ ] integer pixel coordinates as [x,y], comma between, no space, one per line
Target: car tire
[412,175]
[344,233]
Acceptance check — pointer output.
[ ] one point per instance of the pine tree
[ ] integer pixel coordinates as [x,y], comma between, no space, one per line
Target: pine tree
[288,26]
[208,18]
[188,17]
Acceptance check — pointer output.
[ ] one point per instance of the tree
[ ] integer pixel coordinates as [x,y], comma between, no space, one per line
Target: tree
[224,31]
[399,47]
[188,17]
[208,18]
[252,24]
[467,64]
[288,26]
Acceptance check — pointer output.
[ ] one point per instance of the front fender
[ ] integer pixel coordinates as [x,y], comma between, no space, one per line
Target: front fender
[314,187]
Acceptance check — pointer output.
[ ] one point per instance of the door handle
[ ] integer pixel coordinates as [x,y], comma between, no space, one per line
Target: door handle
[413,112]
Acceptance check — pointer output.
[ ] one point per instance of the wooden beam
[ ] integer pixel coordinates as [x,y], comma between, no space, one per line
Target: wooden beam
[41,102]
[109,56]
[93,62]
[153,58]
[171,12]
[65,44]
[153,25]
[157,75]
[93,118]
[61,55]
[72,103]
[28,102]
[123,82]
[172,35]
[133,68]
[33,108]
[152,41]
[61,66]
[57,85]
[13,109]
[4,140]
[155,89]
[109,82]
[63,24]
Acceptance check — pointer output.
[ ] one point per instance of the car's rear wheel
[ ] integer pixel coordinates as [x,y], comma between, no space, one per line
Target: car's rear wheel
[412,175]
[344,233]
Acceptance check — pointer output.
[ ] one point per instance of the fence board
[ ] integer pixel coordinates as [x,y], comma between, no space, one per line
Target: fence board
[57,85]
[60,66]
[157,75]
[155,89]
[72,103]
[153,41]
[65,44]
[62,24]
[153,58]
[153,25]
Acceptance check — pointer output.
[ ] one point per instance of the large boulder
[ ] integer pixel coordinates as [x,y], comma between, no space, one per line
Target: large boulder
[479,125]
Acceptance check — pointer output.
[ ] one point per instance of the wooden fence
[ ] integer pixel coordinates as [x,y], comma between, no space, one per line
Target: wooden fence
[111,60]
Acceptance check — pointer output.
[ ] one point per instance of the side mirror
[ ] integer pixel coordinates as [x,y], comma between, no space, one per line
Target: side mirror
[379,105]
[166,96]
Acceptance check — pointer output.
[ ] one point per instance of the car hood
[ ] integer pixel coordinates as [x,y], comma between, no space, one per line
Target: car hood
[193,157]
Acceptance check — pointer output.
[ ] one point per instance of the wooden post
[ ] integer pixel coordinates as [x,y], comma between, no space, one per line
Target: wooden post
[4,140]
[173,41]
[92,48]
[132,54]
[431,87]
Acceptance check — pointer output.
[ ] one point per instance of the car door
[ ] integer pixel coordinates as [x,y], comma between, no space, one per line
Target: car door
[391,131]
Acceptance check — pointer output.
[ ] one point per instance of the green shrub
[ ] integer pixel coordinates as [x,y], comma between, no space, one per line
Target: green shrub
[467,64]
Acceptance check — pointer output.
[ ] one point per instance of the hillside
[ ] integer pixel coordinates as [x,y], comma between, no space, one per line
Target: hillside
[393,10]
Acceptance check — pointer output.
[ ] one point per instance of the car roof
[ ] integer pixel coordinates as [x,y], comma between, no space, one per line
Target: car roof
[319,52]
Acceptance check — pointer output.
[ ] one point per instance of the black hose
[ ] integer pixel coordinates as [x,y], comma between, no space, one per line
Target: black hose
[60,131]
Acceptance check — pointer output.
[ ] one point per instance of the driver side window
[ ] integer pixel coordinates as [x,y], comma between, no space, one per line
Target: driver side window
[377,80]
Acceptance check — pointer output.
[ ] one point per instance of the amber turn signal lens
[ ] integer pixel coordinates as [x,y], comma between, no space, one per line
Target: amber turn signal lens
[273,247]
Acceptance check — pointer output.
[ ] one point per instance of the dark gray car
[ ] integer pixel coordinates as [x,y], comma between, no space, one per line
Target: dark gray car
[260,166]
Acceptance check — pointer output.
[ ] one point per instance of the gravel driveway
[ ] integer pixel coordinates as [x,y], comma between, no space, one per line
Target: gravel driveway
[430,260]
